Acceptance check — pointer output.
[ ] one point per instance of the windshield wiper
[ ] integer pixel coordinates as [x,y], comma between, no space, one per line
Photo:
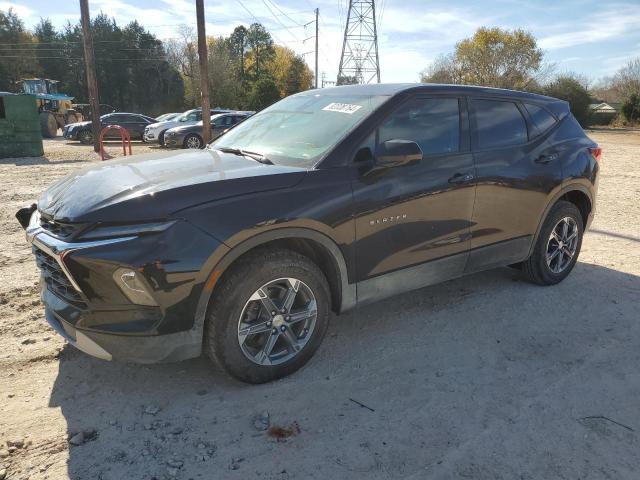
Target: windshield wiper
[258,157]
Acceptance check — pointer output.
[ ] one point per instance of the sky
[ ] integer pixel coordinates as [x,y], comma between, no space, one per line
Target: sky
[591,38]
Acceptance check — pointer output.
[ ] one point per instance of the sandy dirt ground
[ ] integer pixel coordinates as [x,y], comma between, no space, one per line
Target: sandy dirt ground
[484,377]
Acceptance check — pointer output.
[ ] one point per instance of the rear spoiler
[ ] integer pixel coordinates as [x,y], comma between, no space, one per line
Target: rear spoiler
[559,108]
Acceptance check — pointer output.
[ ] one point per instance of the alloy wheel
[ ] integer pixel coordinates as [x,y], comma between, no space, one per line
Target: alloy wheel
[277,321]
[193,142]
[562,244]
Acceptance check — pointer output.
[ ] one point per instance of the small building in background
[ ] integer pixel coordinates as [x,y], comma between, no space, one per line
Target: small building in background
[20,134]
[603,113]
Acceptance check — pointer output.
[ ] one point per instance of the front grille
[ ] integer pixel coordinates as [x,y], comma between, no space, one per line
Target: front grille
[56,280]
[60,230]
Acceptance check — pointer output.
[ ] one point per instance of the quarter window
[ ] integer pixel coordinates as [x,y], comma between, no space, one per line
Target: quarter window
[433,123]
[542,120]
[499,124]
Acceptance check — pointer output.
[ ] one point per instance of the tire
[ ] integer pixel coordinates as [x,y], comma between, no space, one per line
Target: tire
[48,125]
[192,141]
[537,268]
[161,138]
[85,137]
[234,299]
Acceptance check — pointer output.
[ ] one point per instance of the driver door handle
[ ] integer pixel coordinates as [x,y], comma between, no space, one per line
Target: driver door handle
[547,158]
[461,178]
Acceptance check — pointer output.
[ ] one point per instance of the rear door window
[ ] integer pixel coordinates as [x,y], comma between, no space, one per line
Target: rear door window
[498,124]
[542,120]
[433,123]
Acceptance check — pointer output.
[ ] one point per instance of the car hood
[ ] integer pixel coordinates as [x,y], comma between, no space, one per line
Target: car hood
[168,124]
[79,124]
[194,127]
[158,185]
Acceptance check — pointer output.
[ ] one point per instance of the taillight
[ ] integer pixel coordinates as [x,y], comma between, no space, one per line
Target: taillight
[596,152]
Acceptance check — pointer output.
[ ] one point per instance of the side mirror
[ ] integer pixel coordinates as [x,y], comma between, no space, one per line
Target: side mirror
[397,152]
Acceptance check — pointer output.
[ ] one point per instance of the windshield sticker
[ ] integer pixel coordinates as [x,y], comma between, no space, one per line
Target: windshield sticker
[342,107]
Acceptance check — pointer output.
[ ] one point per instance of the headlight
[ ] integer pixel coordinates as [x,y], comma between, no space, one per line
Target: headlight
[34,221]
[108,231]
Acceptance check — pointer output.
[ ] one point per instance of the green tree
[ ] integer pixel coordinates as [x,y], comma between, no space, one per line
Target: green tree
[631,108]
[17,51]
[51,51]
[263,93]
[570,88]
[260,43]
[238,49]
[225,89]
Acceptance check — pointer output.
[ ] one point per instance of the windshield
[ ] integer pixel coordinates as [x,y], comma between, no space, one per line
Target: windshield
[299,130]
[190,116]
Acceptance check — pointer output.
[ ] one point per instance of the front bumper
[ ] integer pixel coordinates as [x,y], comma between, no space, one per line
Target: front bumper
[138,349]
[150,137]
[84,304]
[173,140]
[69,134]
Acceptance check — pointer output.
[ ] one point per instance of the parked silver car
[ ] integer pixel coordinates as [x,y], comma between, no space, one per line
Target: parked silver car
[190,136]
[154,133]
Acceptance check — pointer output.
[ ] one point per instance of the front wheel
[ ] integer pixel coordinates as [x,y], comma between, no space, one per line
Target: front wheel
[268,316]
[192,141]
[558,246]
[85,137]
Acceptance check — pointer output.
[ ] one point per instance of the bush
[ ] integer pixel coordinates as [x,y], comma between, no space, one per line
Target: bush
[571,90]
[263,93]
[631,108]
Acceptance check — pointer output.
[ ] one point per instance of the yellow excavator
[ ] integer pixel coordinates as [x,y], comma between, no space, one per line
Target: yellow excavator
[55,109]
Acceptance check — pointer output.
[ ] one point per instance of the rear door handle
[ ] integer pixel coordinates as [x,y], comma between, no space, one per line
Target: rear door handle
[547,158]
[461,178]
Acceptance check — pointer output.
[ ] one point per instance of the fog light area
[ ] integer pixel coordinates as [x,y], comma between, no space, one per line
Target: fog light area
[133,286]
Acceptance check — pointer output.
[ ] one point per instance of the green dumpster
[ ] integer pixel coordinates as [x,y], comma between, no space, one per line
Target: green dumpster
[20,134]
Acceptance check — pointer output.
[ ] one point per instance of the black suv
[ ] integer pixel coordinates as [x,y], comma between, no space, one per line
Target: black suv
[326,200]
[134,123]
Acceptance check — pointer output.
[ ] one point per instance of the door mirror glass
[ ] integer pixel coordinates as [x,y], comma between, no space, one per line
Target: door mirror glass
[397,152]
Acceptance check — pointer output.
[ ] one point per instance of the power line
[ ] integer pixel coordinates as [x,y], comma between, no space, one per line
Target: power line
[254,17]
[278,20]
[281,11]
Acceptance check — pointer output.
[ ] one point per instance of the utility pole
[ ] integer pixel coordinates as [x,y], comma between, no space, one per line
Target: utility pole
[90,67]
[316,72]
[204,72]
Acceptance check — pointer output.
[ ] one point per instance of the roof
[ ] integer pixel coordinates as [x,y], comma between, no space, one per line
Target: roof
[395,88]
[602,107]
[54,96]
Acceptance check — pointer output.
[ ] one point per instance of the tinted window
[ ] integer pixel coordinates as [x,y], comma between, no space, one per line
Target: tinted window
[542,120]
[130,119]
[499,124]
[432,123]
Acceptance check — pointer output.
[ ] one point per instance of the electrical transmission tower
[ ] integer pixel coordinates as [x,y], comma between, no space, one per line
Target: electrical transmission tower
[359,60]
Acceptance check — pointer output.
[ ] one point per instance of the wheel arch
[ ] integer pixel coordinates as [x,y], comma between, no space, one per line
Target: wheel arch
[575,193]
[315,245]
[192,134]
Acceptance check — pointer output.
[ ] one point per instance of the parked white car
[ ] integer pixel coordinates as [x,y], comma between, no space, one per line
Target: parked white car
[154,133]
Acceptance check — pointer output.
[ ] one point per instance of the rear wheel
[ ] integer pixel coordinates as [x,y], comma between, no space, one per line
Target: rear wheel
[268,316]
[48,125]
[558,246]
[192,141]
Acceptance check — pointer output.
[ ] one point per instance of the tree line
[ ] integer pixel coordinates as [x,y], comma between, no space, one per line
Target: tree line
[500,58]
[139,72]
